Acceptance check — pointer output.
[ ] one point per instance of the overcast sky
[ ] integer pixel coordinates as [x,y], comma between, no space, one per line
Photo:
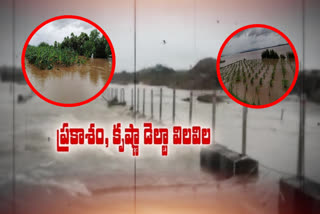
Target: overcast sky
[253,38]
[57,30]
[193,29]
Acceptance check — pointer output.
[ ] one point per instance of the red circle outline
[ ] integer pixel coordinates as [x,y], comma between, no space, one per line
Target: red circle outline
[68,104]
[295,75]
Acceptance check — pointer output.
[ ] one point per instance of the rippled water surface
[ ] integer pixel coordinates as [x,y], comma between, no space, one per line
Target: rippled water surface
[70,84]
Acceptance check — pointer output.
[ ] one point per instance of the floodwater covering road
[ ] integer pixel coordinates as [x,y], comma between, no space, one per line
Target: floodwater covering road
[100,179]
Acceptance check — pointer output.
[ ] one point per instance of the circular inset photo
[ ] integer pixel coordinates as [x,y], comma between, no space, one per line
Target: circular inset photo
[68,61]
[257,66]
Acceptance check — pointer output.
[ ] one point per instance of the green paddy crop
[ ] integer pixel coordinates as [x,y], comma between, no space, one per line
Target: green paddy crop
[262,80]
[45,57]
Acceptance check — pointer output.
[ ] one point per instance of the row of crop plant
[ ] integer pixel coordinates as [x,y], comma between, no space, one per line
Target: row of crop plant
[252,70]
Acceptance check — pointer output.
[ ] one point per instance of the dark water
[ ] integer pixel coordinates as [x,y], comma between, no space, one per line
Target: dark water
[70,84]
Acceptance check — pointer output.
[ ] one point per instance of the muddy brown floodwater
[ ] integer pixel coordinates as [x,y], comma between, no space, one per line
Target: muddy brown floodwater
[70,84]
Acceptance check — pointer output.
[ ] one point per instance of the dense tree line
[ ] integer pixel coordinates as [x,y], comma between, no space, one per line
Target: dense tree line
[85,45]
[269,54]
[67,53]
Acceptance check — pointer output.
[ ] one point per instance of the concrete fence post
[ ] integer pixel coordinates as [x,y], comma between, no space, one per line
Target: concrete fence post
[151,103]
[160,107]
[190,107]
[143,101]
[174,106]
[123,95]
[244,130]
[138,99]
[132,99]
[116,93]
[214,101]
[282,112]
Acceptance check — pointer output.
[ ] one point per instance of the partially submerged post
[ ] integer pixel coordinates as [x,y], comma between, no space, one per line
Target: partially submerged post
[282,112]
[160,107]
[227,163]
[138,95]
[190,108]
[120,96]
[116,93]
[174,106]
[123,95]
[151,103]
[143,102]
[244,131]
[300,166]
[132,99]
[214,100]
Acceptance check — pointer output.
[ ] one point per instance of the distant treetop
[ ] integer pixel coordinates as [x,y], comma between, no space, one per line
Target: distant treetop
[269,54]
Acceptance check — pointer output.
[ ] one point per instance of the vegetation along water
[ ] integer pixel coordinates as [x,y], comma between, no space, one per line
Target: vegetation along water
[72,50]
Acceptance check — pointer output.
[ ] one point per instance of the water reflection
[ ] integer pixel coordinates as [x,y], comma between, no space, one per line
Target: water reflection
[70,84]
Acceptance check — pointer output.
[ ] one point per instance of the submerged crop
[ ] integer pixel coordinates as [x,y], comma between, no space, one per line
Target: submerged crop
[45,57]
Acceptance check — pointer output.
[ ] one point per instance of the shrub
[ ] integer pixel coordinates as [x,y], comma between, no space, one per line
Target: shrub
[283,70]
[44,57]
[238,76]
[290,56]
[274,55]
[271,83]
[269,54]
[231,88]
[265,54]
[285,84]
[272,75]
[261,82]
[251,81]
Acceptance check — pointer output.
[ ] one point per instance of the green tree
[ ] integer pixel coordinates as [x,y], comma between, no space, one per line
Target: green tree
[89,48]
[44,44]
[83,37]
[94,35]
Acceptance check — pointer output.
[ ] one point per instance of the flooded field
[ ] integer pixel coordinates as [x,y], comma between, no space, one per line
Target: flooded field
[258,82]
[255,81]
[70,84]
